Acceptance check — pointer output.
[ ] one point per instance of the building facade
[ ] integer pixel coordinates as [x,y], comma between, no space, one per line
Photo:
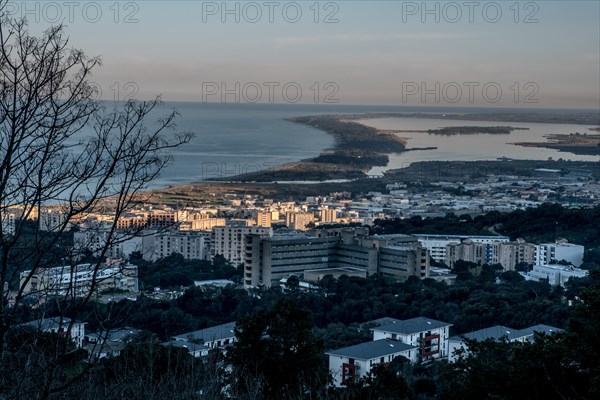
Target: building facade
[555,274]
[549,253]
[349,364]
[429,336]
[437,244]
[230,241]
[78,280]
[270,259]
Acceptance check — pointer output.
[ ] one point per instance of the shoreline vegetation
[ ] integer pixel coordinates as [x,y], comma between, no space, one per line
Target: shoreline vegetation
[576,143]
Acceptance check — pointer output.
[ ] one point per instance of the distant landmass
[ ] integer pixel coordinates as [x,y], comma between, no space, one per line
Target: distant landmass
[580,118]
[358,148]
[475,130]
[575,143]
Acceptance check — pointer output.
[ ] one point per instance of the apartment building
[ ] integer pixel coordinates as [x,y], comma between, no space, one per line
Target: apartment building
[548,253]
[97,241]
[437,244]
[78,280]
[349,364]
[513,253]
[467,250]
[230,241]
[429,336]
[299,221]
[51,219]
[418,339]
[190,244]
[263,218]
[205,224]
[328,215]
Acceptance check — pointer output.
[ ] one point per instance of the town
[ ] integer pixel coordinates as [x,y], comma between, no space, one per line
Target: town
[297,245]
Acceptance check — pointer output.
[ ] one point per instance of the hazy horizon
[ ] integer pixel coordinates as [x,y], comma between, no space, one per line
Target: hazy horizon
[479,54]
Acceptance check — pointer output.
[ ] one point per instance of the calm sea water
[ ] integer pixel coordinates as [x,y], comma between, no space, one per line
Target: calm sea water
[238,138]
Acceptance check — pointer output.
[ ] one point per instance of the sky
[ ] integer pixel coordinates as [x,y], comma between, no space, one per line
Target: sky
[540,54]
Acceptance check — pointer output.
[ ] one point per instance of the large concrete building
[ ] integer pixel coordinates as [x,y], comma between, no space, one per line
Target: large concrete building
[404,261]
[270,259]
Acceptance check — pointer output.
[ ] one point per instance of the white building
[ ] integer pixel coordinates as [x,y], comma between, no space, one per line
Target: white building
[436,244]
[548,253]
[52,219]
[213,338]
[78,280]
[121,245]
[9,217]
[496,333]
[63,326]
[555,274]
[429,336]
[195,350]
[229,241]
[191,245]
[349,364]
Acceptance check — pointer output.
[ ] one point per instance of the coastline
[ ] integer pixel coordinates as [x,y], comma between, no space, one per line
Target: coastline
[313,176]
[572,143]
[358,148]
[422,173]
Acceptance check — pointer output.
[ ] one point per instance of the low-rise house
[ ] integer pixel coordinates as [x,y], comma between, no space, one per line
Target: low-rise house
[528,334]
[98,351]
[125,335]
[349,364]
[61,325]
[214,337]
[109,343]
[555,274]
[428,335]
[196,350]
[496,333]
